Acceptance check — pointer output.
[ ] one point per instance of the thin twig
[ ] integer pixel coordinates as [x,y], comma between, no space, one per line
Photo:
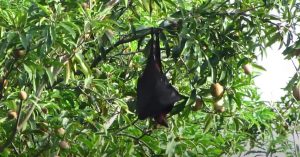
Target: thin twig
[125,127]
[124,54]
[15,148]
[147,132]
[113,118]
[297,70]
[139,141]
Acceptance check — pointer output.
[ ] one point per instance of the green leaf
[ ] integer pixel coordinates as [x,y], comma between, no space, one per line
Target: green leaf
[258,67]
[52,34]
[67,27]
[166,43]
[85,69]
[273,39]
[124,106]
[192,98]
[24,40]
[146,5]
[126,3]
[43,8]
[67,72]
[178,49]
[29,71]
[172,3]
[178,107]
[50,75]
[170,151]
[208,122]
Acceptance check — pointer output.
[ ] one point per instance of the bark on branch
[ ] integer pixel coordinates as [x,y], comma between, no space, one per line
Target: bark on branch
[129,38]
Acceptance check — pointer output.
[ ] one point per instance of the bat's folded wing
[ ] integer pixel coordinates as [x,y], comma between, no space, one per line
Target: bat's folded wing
[165,92]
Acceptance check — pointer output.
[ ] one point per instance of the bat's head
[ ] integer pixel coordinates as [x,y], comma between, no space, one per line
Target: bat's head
[161,119]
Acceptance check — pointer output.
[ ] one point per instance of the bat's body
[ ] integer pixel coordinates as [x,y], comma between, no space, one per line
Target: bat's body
[155,95]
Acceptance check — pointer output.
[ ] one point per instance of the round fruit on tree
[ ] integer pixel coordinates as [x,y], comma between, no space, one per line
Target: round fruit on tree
[296,92]
[248,69]
[60,131]
[19,53]
[23,95]
[219,106]
[198,105]
[217,90]
[64,145]
[12,114]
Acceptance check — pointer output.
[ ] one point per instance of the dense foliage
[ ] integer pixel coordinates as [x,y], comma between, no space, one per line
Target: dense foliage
[77,65]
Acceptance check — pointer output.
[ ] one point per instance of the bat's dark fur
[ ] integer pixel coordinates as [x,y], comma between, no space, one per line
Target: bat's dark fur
[155,95]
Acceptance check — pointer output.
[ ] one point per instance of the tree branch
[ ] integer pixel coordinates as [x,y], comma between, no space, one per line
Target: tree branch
[127,39]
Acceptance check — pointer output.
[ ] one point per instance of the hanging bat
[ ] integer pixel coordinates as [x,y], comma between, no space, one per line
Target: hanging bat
[155,95]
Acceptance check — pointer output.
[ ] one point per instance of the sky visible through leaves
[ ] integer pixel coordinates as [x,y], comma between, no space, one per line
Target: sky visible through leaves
[278,72]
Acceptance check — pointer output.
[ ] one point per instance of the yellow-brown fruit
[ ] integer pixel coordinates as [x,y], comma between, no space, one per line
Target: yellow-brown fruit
[5,83]
[219,109]
[19,53]
[45,110]
[296,92]
[60,131]
[12,114]
[219,102]
[247,69]
[64,145]
[198,105]
[23,95]
[217,90]
[85,6]
[219,106]
[86,36]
